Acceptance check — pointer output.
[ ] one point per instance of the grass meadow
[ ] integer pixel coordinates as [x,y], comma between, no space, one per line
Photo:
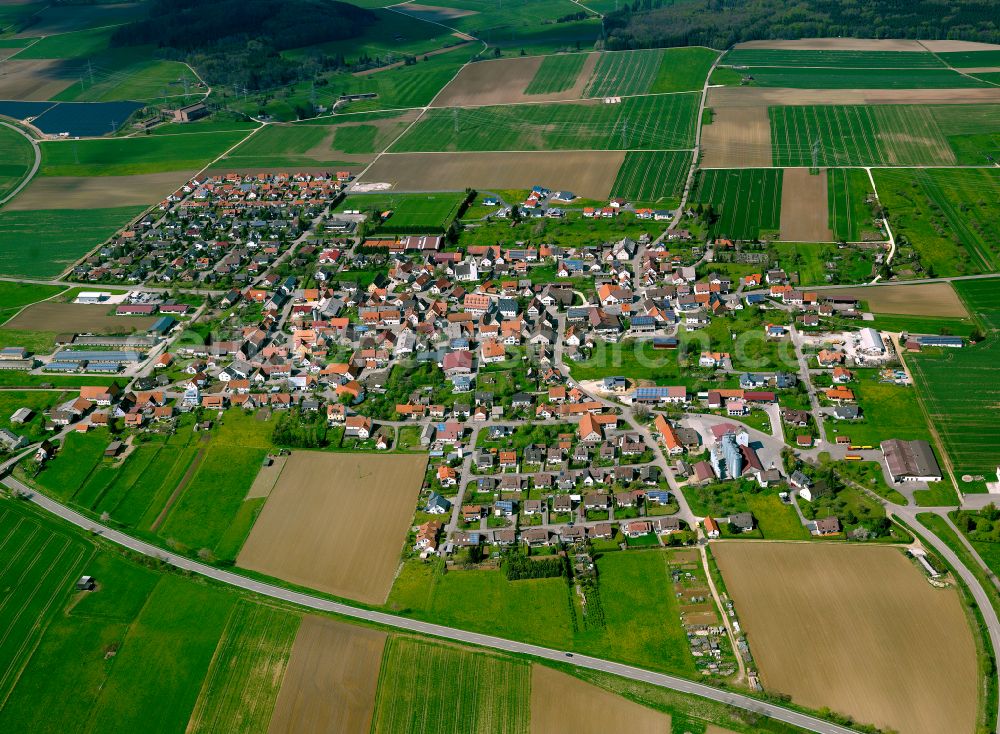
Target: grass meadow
[888,411]
[636,123]
[747,201]
[951,216]
[410,212]
[652,176]
[16,159]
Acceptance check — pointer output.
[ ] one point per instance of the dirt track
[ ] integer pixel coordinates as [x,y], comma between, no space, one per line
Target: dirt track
[563,703]
[337,522]
[805,209]
[97,192]
[503,81]
[857,629]
[737,138]
[331,680]
[587,173]
[722,97]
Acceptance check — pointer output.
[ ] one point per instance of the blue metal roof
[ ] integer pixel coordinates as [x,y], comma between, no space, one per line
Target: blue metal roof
[62,366]
[651,392]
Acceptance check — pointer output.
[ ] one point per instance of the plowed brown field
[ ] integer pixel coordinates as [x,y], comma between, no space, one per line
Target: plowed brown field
[805,215]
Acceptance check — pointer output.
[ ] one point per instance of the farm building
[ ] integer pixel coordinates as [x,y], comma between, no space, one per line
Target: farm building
[910,461]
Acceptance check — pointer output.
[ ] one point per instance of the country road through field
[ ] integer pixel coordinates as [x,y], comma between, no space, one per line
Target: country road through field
[774,711]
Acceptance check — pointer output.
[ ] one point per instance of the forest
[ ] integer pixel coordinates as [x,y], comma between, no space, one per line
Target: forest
[721,23]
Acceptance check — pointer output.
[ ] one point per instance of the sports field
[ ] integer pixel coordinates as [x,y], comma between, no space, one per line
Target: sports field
[331,679]
[747,202]
[44,242]
[411,213]
[850,217]
[637,123]
[352,509]
[587,173]
[561,702]
[652,177]
[952,216]
[856,629]
[433,687]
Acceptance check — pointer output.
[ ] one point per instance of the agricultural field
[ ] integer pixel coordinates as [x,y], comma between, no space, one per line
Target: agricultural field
[308,503]
[951,216]
[44,242]
[918,299]
[971,59]
[850,216]
[96,192]
[652,177]
[856,629]
[331,680]
[131,156]
[42,563]
[417,690]
[843,59]
[747,202]
[556,74]
[76,318]
[805,210]
[561,702]
[247,670]
[736,137]
[345,140]
[15,296]
[624,73]
[410,212]
[16,159]
[868,78]
[588,173]
[636,123]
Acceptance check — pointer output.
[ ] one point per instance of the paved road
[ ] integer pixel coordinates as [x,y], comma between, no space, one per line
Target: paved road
[450,633]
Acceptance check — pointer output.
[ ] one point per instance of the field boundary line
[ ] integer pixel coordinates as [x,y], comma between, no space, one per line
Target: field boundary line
[696,150]
[181,486]
[537,103]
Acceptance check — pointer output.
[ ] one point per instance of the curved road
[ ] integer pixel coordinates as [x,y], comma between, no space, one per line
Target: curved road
[773,711]
[34,168]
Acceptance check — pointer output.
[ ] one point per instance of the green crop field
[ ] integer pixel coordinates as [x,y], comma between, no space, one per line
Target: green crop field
[652,176]
[624,72]
[42,564]
[956,384]
[426,687]
[796,78]
[887,135]
[747,202]
[128,156]
[850,216]
[243,681]
[43,243]
[172,643]
[636,123]
[683,69]
[411,213]
[845,59]
[16,158]
[972,131]
[951,216]
[971,59]
[14,296]
[556,74]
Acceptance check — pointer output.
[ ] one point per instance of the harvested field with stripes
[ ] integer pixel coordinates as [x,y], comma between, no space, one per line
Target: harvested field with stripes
[331,680]
[918,299]
[625,72]
[556,74]
[805,214]
[857,629]
[587,173]
[519,79]
[352,510]
[737,138]
[719,97]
